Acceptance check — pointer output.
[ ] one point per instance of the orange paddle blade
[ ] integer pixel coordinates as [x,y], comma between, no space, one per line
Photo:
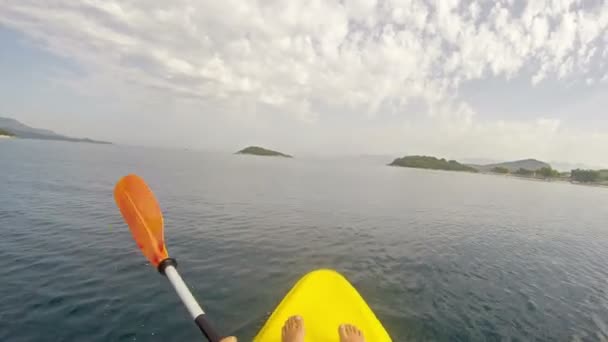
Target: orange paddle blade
[141,211]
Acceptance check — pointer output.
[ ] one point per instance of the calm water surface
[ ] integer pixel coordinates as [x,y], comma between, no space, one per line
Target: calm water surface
[439,256]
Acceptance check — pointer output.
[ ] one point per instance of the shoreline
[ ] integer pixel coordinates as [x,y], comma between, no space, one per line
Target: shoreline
[513,176]
[546,180]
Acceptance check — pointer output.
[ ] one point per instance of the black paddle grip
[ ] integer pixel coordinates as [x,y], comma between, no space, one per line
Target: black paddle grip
[207,329]
[167,262]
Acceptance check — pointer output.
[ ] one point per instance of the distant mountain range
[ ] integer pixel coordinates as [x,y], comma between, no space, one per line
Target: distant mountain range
[20,130]
[512,166]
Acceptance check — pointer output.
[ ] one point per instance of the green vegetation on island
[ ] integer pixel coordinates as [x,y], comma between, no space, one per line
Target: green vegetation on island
[548,172]
[542,173]
[527,168]
[426,162]
[259,151]
[523,172]
[585,176]
[598,177]
[500,169]
[6,133]
[512,166]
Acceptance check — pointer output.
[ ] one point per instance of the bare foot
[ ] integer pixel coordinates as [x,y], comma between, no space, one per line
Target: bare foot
[350,333]
[229,339]
[293,330]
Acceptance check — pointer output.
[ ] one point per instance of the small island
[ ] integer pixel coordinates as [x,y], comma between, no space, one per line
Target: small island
[5,134]
[426,162]
[259,151]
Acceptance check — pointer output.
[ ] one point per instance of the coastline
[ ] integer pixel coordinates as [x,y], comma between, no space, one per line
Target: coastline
[546,180]
[513,176]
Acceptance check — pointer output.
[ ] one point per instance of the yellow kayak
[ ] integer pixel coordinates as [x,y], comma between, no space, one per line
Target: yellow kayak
[325,299]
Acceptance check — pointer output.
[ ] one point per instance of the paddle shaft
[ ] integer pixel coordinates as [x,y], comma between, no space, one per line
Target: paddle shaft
[142,213]
[195,310]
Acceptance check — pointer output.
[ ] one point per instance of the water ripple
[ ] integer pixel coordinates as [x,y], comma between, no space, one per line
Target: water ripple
[491,259]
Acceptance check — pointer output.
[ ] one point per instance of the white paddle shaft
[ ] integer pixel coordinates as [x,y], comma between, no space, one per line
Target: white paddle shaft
[183,292]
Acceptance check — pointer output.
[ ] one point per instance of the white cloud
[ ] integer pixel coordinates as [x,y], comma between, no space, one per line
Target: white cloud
[315,58]
[540,29]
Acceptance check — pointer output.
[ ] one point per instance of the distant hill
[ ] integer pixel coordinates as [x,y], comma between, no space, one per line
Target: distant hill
[23,131]
[260,151]
[528,164]
[426,162]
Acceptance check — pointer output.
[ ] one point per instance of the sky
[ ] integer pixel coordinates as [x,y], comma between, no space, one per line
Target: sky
[496,80]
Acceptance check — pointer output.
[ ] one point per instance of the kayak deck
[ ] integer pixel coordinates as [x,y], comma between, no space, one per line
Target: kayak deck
[325,299]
